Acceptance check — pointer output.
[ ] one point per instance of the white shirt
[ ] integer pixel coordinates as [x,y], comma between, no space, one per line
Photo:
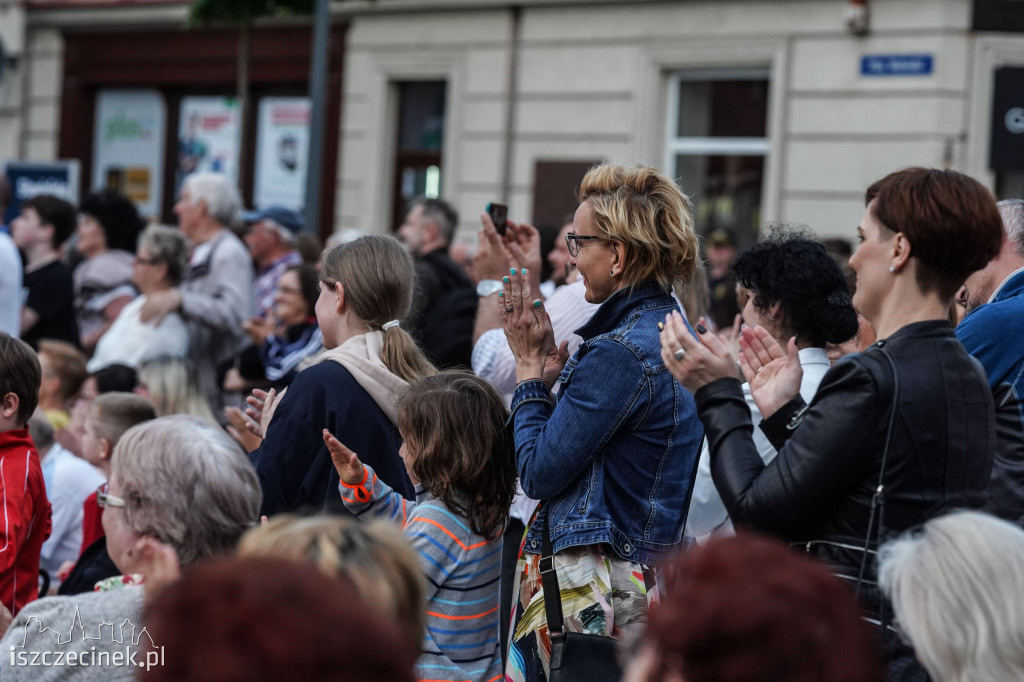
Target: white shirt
[11,296]
[492,358]
[132,342]
[69,480]
[707,515]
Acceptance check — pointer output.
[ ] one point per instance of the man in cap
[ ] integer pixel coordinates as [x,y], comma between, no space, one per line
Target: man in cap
[271,238]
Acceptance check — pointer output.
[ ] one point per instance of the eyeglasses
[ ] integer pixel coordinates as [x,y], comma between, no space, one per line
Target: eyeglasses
[105,499]
[572,240]
[146,261]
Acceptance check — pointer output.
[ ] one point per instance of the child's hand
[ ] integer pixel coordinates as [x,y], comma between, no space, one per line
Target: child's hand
[346,462]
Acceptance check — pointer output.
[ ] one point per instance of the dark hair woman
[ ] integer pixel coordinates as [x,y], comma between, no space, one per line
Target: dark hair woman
[896,433]
[792,288]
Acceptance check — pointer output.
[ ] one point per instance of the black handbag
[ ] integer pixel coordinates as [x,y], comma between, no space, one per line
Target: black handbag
[575,656]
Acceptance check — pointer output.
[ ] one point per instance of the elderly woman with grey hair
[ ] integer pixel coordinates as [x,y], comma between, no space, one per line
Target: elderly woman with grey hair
[160,262]
[957,591]
[181,491]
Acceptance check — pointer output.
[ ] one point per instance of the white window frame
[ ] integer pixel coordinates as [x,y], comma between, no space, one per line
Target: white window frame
[715,146]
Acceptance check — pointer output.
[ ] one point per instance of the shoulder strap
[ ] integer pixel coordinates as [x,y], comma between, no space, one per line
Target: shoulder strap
[549,580]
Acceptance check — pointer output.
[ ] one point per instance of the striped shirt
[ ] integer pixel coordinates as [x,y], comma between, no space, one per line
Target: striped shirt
[462,570]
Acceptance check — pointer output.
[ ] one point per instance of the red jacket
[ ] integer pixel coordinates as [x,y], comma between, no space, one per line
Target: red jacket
[24,520]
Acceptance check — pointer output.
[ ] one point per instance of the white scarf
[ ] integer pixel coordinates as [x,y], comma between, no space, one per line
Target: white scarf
[360,355]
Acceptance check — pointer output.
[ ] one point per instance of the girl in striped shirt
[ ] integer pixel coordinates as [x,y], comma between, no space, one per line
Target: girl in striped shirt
[462,462]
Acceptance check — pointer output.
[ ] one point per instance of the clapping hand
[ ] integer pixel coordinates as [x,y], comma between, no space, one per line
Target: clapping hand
[774,376]
[346,462]
[694,363]
[527,327]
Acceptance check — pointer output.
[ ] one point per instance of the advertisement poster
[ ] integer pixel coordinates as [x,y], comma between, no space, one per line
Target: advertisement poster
[282,147]
[59,178]
[129,146]
[208,137]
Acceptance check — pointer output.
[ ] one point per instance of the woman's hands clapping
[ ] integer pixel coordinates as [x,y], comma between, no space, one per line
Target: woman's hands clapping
[774,375]
[528,329]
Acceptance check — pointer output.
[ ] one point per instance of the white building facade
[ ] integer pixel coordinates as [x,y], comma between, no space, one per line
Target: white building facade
[765,110]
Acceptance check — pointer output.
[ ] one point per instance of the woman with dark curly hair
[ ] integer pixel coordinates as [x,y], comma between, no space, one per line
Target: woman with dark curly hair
[108,228]
[792,287]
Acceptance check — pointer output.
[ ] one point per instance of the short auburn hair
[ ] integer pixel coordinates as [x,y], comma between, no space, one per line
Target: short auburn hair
[949,218]
[643,209]
[750,608]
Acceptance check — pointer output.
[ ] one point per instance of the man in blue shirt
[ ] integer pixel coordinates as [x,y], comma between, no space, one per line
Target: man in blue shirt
[993,332]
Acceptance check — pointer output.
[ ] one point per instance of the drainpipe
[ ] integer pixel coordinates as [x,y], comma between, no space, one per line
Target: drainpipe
[510,103]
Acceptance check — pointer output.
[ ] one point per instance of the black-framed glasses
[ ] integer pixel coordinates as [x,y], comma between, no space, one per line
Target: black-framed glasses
[572,241]
[105,499]
[146,261]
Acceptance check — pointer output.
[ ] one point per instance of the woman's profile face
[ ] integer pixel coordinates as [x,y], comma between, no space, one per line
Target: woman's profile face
[289,303]
[595,257]
[327,314]
[871,263]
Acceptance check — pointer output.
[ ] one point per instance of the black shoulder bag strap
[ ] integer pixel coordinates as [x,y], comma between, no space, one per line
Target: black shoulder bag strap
[549,581]
[878,499]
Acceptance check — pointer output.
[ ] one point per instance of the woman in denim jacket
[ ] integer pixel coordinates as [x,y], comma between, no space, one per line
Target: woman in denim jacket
[613,457]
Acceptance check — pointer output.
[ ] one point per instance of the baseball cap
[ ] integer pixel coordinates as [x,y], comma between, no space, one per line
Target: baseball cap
[287,218]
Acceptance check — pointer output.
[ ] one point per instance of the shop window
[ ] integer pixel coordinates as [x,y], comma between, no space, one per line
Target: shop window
[718,145]
[418,163]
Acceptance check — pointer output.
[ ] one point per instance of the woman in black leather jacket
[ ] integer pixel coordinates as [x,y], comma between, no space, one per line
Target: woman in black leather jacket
[895,434]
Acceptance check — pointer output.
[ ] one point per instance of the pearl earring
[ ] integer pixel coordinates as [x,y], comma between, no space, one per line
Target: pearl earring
[892,269]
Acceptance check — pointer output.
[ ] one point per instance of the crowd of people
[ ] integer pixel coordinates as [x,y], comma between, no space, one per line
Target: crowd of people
[389,459]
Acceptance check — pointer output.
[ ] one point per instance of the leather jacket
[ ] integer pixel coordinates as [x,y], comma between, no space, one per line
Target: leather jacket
[818,491]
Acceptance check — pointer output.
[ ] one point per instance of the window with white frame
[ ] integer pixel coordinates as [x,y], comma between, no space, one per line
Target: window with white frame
[718,146]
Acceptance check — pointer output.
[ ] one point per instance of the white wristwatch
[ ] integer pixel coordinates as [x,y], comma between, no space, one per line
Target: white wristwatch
[486,287]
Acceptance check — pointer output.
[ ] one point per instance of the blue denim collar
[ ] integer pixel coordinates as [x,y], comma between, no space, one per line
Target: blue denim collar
[618,305]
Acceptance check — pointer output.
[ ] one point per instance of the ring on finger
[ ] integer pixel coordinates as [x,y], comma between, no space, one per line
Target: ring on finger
[509,309]
[678,355]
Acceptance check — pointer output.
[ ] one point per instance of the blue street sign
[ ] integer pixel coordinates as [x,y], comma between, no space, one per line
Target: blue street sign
[897,64]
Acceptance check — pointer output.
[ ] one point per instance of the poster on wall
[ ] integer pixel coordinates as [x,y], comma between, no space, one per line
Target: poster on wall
[29,179]
[282,147]
[209,131]
[128,146]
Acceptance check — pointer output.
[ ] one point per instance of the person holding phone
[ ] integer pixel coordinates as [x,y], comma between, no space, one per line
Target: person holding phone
[613,458]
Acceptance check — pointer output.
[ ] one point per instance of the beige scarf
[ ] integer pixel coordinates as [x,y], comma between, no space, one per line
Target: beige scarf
[360,355]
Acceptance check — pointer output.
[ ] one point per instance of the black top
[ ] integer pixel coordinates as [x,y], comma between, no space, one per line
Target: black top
[295,467]
[443,311]
[819,488]
[51,295]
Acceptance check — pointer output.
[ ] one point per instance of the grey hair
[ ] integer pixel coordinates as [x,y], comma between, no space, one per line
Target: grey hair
[187,483]
[169,246]
[957,587]
[1012,212]
[223,203]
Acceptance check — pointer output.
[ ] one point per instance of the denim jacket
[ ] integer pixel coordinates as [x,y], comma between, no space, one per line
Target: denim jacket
[614,457]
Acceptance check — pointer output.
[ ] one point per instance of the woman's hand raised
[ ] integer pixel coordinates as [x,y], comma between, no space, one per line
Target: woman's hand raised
[346,462]
[527,327]
[774,376]
[694,363]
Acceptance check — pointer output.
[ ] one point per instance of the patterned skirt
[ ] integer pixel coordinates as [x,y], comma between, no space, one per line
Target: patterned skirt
[601,594]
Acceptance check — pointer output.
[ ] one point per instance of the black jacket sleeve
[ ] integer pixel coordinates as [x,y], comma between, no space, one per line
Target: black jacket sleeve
[830,449]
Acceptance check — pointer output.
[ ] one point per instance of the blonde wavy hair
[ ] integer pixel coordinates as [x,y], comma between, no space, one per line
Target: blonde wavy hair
[378,276]
[374,556]
[645,211]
